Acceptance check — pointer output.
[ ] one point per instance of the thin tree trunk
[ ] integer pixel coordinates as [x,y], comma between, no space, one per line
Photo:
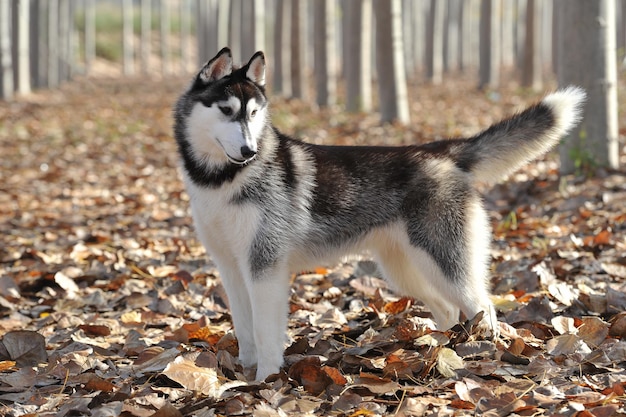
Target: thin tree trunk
[508,15]
[90,34]
[282,51]
[259,25]
[298,70]
[389,63]
[223,23]
[358,64]
[434,42]
[235,30]
[490,55]
[247,31]
[64,40]
[532,73]
[127,37]
[325,52]
[185,30]
[53,43]
[165,37]
[146,35]
[6,65]
[589,26]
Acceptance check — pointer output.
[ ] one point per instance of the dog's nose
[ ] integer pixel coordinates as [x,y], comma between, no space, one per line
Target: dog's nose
[247,152]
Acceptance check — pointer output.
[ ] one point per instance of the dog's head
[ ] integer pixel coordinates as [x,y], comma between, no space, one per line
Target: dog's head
[225,110]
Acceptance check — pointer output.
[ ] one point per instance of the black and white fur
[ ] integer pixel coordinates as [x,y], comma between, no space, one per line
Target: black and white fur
[265,204]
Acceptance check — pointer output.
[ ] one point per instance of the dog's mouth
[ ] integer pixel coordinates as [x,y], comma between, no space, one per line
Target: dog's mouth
[235,161]
[239,161]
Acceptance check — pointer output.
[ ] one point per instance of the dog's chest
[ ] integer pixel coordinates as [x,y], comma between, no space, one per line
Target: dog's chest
[217,217]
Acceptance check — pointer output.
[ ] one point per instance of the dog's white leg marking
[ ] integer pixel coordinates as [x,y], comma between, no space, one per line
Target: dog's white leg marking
[269,293]
[476,298]
[394,259]
[241,312]
[417,280]
[233,279]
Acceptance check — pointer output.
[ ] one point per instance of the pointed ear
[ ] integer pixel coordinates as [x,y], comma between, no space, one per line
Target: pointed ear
[256,69]
[218,67]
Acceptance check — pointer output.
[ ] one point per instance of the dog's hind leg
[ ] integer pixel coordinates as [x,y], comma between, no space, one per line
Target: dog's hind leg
[394,256]
[455,258]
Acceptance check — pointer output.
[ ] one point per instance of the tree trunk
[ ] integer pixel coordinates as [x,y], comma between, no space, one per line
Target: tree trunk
[223,23]
[146,35]
[235,30]
[587,58]
[53,43]
[165,37]
[22,58]
[298,68]
[508,15]
[358,64]
[389,62]
[6,65]
[185,30]
[128,37]
[64,27]
[434,42]
[259,26]
[325,52]
[282,51]
[90,34]
[531,74]
[490,54]
[452,29]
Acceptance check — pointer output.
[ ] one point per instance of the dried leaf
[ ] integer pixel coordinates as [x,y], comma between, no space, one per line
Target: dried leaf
[95,330]
[399,306]
[448,362]
[564,325]
[168,410]
[309,373]
[376,384]
[25,347]
[567,344]
[593,331]
[205,380]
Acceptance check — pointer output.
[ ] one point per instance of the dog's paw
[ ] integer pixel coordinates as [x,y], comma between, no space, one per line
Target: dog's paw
[264,371]
[247,360]
[488,324]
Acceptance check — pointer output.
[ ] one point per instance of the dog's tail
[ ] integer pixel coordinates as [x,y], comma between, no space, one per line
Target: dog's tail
[508,145]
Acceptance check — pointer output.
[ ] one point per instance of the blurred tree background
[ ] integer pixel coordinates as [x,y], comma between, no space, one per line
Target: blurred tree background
[358,54]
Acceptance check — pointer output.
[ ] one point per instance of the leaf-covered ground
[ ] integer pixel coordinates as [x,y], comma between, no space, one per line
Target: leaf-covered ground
[109,307]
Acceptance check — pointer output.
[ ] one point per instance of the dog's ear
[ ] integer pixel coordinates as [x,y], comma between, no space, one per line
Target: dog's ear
[256,69]
[220,66]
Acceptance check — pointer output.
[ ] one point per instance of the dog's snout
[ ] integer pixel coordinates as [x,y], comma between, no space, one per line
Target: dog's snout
[246,152]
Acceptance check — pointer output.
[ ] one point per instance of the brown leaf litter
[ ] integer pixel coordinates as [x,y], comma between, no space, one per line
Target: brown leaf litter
[109,307]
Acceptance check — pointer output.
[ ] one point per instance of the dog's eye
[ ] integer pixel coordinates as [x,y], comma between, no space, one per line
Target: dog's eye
[227,111]
[253,113]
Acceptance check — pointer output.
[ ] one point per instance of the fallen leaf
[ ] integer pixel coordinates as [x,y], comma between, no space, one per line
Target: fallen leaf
[192,377]
[25,347]
[448,362]
[399,306]
[168,410]
[95,330]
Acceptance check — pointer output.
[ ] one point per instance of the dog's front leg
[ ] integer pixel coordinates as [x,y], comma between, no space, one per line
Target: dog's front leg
[269,294]
[241,312]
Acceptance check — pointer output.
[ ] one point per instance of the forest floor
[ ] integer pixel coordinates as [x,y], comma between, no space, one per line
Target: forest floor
[108,305]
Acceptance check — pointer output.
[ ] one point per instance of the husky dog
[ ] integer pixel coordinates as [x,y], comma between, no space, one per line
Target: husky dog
[265,204]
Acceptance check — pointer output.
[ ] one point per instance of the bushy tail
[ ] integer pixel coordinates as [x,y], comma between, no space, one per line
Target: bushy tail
[506,146]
